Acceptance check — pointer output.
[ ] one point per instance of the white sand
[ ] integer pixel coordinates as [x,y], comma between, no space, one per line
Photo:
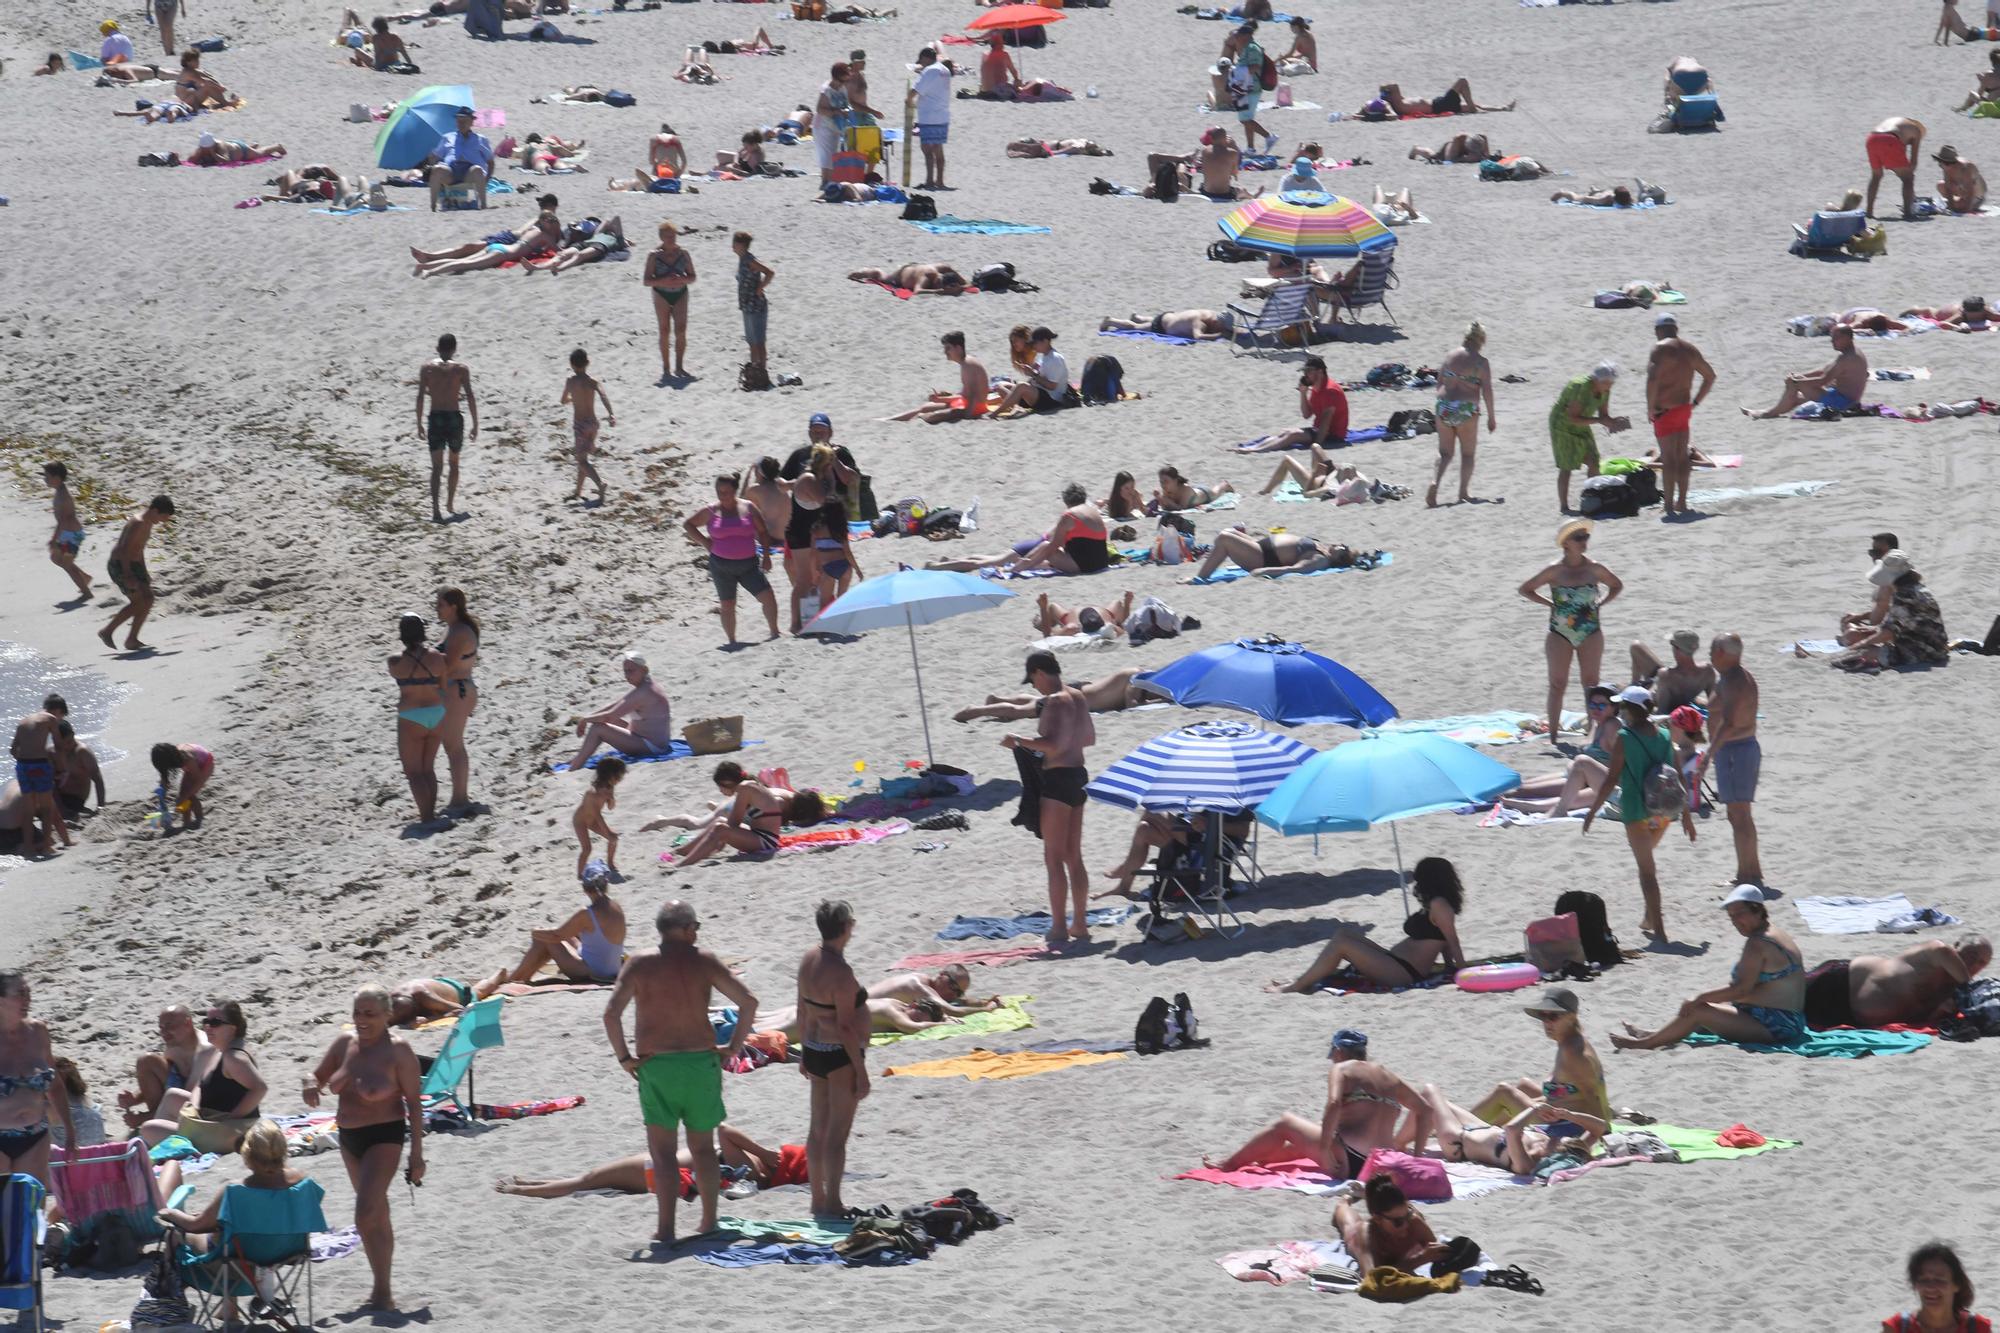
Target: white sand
[255,365]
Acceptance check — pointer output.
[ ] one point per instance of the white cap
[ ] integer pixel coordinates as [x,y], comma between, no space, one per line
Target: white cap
[1635,694]
[207,140]
[1745,893]
[1605,370]
[636,658]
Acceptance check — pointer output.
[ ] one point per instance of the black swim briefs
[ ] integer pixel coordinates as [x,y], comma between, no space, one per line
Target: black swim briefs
[1064,784]
[446,430]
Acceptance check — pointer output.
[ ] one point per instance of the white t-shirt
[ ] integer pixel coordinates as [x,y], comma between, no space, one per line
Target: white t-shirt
[1052,369]
[116,44]
[934,95]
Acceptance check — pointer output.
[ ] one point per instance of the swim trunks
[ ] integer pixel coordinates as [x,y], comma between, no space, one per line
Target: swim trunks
[1888,152]
[1835,399]
[129,576]
[1673,421]
[933,134]
[445,430]
[35,775]
[681,1088]
[1064,784]
[69,543]
[1736,765]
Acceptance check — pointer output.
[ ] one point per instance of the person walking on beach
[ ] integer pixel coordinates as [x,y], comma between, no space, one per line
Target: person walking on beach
[753,276]
[1671,399]
[834,1029]
[1066,731]
[127,568]
[581,391]
[1637,751]
[1893,146]
[162,12]
[1573,601]
[1465,378]
[34,751]
[678,1067]
[444,381]
[1733,752]
[68,539]
[669,274]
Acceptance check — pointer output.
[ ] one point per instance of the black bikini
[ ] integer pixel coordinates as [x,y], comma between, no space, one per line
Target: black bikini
[823,1058]
[221,1095]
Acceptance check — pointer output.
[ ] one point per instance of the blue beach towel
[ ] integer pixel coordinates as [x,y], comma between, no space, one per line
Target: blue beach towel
[948,225]
[1842,1044]
[1147,335]
[1359,435]
[679,750]
[1612,208]
[1233,573]
[1029,923]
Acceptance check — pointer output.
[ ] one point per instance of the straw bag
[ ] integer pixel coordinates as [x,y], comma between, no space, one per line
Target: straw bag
[714,735]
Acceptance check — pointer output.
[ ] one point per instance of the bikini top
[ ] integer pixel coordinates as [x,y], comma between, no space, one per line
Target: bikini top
[860,1000]
[1364,1095]
[677,267]
[38,1080]
[1791,965]
[1553,1091]
[412,680]
[221,1095]
[1419,926]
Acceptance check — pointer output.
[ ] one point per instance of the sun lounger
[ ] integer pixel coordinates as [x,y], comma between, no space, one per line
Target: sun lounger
[1287,308]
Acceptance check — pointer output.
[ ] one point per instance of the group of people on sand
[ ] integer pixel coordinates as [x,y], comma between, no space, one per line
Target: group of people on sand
[436,695]
[1039,379]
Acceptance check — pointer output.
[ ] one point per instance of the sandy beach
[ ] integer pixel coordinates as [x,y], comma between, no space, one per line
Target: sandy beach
[258,365]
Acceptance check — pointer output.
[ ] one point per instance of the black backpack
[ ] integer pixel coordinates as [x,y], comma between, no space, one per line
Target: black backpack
[1103,379]
[994,277]
[1167,183]
[920,208]
[1167,1026]
[1608,497]
[1645,484]
[1411,423]
[1593,927]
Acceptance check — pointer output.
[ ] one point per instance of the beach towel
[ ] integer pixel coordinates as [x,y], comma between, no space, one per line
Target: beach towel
[246,162]
[1290,1261]
[905,293]
[1358,435]
[1147,335]
[1634,207]
[1233,573]
[817,839]
[1784,490]
[522,989]
[1009,1017]
[325,1245]
[984,1064]
[1813,648]
[972,957]
[947,225]
[678,750]
[1301,1176]
[1502,726]
[1028,923]
[1840,1044]
[1848,915]
[1898,373]
[1699,1145]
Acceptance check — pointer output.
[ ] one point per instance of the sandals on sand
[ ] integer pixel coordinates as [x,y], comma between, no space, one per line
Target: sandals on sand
[1514,1278]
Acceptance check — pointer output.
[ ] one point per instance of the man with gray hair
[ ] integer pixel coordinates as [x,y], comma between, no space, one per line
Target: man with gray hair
[1733,750]
[640,724]
[1918,986]
[678,1066]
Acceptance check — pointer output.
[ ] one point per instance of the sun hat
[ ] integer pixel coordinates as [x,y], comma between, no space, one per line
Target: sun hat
[1604,370]
[1889,568]
[1688,719]
[1744,893]
[1304,165]
[1571,528]
[206,141]
[1665,320]
[1685,639]
[1945,154]
[1635,694]
[106,28]
[1555,1000]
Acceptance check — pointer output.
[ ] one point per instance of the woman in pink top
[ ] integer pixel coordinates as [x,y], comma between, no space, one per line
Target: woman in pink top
[739,546]
[195,764]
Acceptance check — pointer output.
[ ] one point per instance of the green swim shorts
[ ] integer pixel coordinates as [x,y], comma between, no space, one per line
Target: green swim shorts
[681,1088]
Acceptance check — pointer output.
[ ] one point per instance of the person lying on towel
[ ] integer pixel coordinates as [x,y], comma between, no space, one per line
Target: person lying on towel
[1917,987]
[743,1159]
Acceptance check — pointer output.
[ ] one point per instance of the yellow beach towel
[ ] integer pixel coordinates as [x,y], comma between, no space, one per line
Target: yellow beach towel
[1012,1064]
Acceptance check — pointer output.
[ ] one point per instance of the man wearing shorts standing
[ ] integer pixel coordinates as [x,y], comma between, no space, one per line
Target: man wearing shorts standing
[931,96]
[1066,731]
[1670,405]
[678,1066]
[1733,751]
[127,568]
[443,381]
[1892,146]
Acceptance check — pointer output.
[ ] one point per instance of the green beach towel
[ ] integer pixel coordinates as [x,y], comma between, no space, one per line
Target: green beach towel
[1699,1145]
[1009,1017]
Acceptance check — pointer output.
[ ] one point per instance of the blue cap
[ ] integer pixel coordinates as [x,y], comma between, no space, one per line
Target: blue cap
[819,419]
[1304,164]
[1350,1039]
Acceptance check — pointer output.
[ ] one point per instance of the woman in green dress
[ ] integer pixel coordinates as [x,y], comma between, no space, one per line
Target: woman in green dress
[1584,402]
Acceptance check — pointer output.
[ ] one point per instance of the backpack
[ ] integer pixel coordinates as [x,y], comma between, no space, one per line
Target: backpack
[994,277]
[753,378]
[1167,182]
[1978,1006]
[1608,497]
[920,208]
[1103,379]
[1267,75]
[1664,791]
[613,97]
[1411,423]
[910,513]
[1645,484]
[1593,927]
[1166,1026]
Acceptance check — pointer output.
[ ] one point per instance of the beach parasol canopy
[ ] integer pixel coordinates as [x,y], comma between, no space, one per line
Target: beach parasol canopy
[1204,766]
[1009,17]
[1297,224]
[909,597]
[1276,680]
[416,127]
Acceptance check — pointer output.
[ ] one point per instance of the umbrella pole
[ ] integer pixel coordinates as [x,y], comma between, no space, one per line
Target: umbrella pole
[930,759]
[1401,883]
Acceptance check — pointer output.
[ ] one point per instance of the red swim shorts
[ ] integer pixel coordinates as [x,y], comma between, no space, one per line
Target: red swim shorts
[1673,421]
[1887,152]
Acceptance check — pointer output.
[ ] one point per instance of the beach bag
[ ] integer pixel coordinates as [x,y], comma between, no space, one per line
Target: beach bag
[1172,546]
[920,208]
[994,277]
[1593,927]
[1267,73]
[910,513]
[1411,423]
[1028,39]
[714,735]
[1103,379]
[1978,1015]
[1553,942]
[940,523]
[614,97]
[1874,241]
[1422,1179]
[1166,1026]
[1460,1253]
[1154,619]
[753,378]
[1608,497]
[1167,183]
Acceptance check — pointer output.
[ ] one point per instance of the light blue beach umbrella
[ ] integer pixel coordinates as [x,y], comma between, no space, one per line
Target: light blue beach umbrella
[1276,680]
[908,597]
[418,124]
[1379,780]
[1205,766]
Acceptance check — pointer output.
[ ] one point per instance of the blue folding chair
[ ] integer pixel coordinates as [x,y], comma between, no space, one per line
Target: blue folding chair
[477,1029]
[1697,111]
[1828,233]
[262,1252]
[23,1227]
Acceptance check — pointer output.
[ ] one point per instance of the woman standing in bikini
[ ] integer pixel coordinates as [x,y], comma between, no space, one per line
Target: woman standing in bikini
[420,712]
[833,1052]
[28,1085]
[1573,601]
[669,273]
[375,1076]
[460,649]
[1464,379]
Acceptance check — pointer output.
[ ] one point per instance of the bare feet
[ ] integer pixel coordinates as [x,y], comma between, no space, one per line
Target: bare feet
[105,635]
[132,643]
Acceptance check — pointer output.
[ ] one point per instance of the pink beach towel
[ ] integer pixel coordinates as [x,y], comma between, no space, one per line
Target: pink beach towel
[969,958]
[1302,1175]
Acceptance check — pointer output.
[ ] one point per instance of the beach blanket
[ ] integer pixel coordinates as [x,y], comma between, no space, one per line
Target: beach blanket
[819,839]
[1226,500]
[1028,923]
[1635,207]
[1893,915]
[1289,1261]
[678,750]
[1233,573]
[1502,726]
[360,208]
[972,957]
[245,162]
[1898,373]
[1699,1145]
[1501,816]
[1348,983]
[984,1064]
[947,225]
[522,989]
[1784,490]
[1147,335]
[1301,1176]
[1840,1044]
[325,1245]
[905,293]
[1009,1017]
[1358,435]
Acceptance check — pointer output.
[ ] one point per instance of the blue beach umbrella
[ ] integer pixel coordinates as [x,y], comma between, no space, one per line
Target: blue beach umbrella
[1278,681]
[1379,780]
[416,127]
[909,597]
[1205,766]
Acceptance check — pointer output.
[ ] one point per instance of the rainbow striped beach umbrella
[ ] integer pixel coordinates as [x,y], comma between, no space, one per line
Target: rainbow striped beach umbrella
[1307,225]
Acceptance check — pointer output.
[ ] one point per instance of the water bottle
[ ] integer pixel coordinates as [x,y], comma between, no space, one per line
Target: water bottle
[1333,116]
[1091,91]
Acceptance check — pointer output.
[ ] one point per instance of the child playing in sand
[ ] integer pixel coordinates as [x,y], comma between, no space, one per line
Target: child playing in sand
[79,773]
[69,528]
[196,765]
[589,818]
[581,392]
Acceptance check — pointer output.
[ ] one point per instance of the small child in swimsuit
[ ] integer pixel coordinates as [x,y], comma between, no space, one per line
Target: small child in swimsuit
[581,392]
[589,817]
[195,764]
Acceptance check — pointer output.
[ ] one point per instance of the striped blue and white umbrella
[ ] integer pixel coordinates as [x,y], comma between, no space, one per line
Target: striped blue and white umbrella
[1206,766]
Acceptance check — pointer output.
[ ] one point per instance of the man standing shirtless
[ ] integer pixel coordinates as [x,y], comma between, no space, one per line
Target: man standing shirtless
[34,751]
[678,1066]
[127,568]
[1670,403]
[1066,731]
[650,729]
[68,539]
[443,381]
[1892,146]
[1918,986]
[1733,751]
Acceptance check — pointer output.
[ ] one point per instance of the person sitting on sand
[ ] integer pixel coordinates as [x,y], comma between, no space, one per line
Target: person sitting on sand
[1968,316]
[1456,100]
[1364,1103]
[384,51]
[1200,325]
[1210,170]
[1963,189]
[160,1071]
[743,1158]
[751,817]
[1124,503]
[21,834]
[639,725]
[1838,384]
[1323,404]
[1911,632]
[1520,1146]
[213,152]
[201,90]
[1302,56]
[1078,543]
[1272,554]
[917,279]
[1111,693]
[1597,196]
[1053,618]
[1000,79]
[54,65]
[1920,987]
[1575,788]
[1040,148]
[224,1095]
[1391,1234]
[1686,77]
[77,773]
[1458,148]
[1046,387]
[1765,994]
[1985,89]
[1576,1084]
[1177,494]
[1430,939]
[588,947]
[747,160]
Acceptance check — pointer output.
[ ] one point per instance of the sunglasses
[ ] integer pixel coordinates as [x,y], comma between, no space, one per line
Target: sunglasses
[1581,538]
[215,1022]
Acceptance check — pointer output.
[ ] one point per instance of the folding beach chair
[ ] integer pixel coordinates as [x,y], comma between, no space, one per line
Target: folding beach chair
[477,1029]
[107,1181]
[23,1227]
[865,140]
[1287,308]
[1697,111]
[1371,287]
[1828,233]
[262,1251]
[1192,884]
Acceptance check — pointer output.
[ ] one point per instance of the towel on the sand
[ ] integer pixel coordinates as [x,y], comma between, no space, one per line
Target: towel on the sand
[1009,1017]
[971,957]
[678,750]
[1358,435]
[1028,923]
[1699,1145]
[1302,1176]
[1841,1044]
[1233,572]
[519,989]
[1502,726]
[1613,208]
[905,293]
[1349,983]
[1783,490]
[1290,1261]
[241,162]
[1813,648]
[1900,373]
[1226,500]
[947,225]
[1848,915]
[820,839]
[1147,335]
[1009,1064]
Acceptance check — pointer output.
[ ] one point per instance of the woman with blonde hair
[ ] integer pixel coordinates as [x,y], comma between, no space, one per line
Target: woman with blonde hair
[267,1154]
[669,273]
[1464,379]
[460,649]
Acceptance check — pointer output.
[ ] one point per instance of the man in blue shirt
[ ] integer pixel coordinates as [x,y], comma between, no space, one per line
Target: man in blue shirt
[461,158]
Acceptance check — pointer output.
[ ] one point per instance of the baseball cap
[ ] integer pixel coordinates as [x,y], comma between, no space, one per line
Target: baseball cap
[1635,694]
[1687,718]
[856,54]
[1349,1039]
[819,419]
[1744,893]
[1555,1000]
[206,141]
[1042,660]
[1685,639]
[1090,619]
[107,27]
[1665,320]
[1042,332]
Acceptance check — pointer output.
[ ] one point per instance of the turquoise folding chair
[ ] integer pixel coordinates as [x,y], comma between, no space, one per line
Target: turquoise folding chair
[477,1029]
[262,1252]
[1697,111]
[23,1227]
